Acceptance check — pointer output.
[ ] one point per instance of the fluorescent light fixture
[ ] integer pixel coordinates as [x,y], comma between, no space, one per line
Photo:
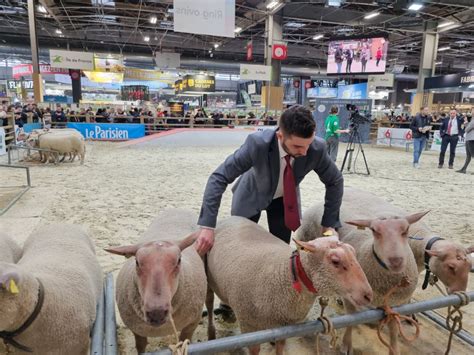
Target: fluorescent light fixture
[272,4]
[42,9]
[316,37]
[58,31]
[415,6]
[449,23]
[294,24]
[170,10]
[146,39]
[238,29]
[216,45]
[153,20]
[372,15]
[443,49]
[438,63]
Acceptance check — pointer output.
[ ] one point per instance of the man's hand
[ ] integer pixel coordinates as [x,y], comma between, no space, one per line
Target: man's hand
[329,232]
[204,241]
[420,129]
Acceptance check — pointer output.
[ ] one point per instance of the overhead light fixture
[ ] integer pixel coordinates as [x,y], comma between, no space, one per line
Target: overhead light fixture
[444,48]
[415,6]
[153,20]
[216,45]
[372,15]
[445,24]
[58,31]
[316,37]
[170,10]
[294,24]
[146,39]
[438,63]
[238,29]
[42,9]
[272,4]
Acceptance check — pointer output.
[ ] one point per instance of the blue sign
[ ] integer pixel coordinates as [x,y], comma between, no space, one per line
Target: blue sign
[28,127]
[57,98]
[322,92]
[109,131]
[355,91]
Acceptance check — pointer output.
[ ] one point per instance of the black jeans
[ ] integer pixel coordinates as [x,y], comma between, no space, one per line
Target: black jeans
[276,220]
[469,154]
[453,142]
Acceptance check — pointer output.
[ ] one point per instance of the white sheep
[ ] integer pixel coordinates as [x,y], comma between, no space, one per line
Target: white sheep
[165,277]
[250,270]
[10,252]
[382,250]
[60,260]
[61,141]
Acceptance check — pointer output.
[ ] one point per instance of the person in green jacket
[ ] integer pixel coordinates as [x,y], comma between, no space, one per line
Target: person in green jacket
[331,126]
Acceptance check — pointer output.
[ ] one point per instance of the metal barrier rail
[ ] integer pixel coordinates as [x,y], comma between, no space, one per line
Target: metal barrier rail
[25,188]
[97,341]
[12,147]
[313,327]
[110,341]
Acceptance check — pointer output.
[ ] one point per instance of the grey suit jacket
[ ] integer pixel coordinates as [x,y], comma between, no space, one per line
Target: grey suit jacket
[257,161]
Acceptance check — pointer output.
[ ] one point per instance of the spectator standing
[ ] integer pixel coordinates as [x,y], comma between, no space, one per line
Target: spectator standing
[469,141]
[58,115]
[332,132]
[420,136]
[450,130]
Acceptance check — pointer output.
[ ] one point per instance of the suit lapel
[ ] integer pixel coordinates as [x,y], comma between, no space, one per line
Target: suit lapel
[274,161]
[298,168]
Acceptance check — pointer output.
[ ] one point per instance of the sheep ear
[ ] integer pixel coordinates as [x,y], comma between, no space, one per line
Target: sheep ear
[10,280]
[470,249]
[127,250]
[360,223]
[188,241]
[415,217]
[304,246]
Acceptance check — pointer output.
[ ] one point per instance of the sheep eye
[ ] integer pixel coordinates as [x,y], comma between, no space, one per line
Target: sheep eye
[179,261]
[136,263]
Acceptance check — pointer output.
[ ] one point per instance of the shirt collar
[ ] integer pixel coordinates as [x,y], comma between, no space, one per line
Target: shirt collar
[281,150]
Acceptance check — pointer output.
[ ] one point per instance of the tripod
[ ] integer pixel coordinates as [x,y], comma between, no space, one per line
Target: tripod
[354,139]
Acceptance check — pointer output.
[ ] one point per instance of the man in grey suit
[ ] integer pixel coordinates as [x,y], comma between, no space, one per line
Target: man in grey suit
[268,163]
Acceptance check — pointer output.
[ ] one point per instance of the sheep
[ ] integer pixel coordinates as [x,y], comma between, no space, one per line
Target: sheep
[10,252]
[383,252]
[39,135]
[165,277]
[249,269]
[60,260]
[63,144]
[448,261]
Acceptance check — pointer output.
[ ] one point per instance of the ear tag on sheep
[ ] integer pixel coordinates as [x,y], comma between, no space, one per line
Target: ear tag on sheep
[13,287]
[328,233]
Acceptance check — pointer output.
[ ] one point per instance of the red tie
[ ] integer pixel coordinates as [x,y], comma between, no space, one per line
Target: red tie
[290,201]
[449,126]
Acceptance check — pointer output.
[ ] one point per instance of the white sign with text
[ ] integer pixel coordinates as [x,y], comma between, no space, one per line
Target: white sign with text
[255,72]
[385,80]
[207,17]
[71,60]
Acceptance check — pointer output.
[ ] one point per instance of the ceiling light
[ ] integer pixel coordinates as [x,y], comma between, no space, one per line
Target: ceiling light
[170,10]
[372,15]
[415,6]
[216,45]
[153,20]
[438,63]
[294,24]
[58,31]
[449,23]
[42,9]
[443,49]
[272,4]
[238,29]
[146,39]
[316,37]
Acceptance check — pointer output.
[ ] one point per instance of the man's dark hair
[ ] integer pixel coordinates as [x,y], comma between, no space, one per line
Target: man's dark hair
[297,121]
[334,110]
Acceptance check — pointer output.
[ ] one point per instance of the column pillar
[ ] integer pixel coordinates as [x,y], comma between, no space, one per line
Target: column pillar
[37,81]
[429,52]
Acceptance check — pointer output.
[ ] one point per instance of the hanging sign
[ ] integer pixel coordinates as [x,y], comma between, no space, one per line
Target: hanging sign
[249,50]
[199,83]
[71,59]
[27,70]
[206,17]
[111,63]
[168,60]
[255,72]
[279,51]
[385,80]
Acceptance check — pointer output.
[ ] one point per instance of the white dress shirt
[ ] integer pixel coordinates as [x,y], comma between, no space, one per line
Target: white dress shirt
[454,126]
[283,154]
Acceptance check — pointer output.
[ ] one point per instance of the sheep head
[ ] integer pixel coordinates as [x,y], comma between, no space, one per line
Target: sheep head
[10,287]
[451,263]
[334,270]
[391,238]
[157,266]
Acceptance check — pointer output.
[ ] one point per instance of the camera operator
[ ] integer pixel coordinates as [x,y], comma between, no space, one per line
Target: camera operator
[332,132]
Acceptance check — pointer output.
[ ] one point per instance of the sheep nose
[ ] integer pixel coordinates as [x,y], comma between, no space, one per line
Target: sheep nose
[157,316]
[395,262]
[368,297]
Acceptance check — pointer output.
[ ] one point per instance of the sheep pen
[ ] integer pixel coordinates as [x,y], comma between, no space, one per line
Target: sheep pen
[121,189]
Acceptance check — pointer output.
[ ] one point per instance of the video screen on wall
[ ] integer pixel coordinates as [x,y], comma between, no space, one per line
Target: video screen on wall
[357,55]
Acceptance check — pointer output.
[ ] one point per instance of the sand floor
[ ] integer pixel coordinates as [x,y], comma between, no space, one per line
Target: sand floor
[119,190]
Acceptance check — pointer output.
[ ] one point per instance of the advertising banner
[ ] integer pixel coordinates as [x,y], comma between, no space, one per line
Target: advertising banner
[355,91]
[148,75]
[27,70]
[385,80]
[3,145]
[15,84]
[255,72]
[71,59]
[109,131]
[103,77]
[436,145]
[168,60]
[199,83]
[206,17]
[111,63]
[394,137]
[321,92]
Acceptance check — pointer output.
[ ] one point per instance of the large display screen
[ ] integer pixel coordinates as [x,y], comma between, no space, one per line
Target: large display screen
[356,56]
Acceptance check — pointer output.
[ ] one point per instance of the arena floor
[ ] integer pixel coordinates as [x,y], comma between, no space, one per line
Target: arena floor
[122,186]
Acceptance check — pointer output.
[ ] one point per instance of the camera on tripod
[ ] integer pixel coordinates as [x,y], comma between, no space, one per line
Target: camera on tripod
[355,117]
